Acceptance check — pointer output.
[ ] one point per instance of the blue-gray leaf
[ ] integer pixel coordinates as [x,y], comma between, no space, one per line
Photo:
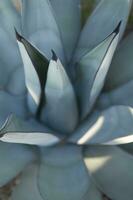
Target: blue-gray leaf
[12,104]
[35,67]
[60,111]
[9,17]
[18,131]
[112,169]
[112,126]
[13,159]
[62,171]
[44,32]
[28,189]
[92,70]
[9,57]
[103,20]
[69,24]
[123,95]
[122,65]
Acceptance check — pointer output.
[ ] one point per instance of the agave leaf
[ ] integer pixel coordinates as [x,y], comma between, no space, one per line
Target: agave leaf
[35,67]
[69,24]
[92,70]
[13,159]
[12,104]
[17,131]
[44,27]
[60,111]
[93,193]
[28,187]
[40,139]
[122,95]
[122,65]
[112,126]
[16,83]
[9,17]
[67,177]
[111,168]
[8,57]
[101,23]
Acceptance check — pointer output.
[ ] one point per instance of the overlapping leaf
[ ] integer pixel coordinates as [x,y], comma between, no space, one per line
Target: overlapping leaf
[113,126]
[35,67]
[67,178]
[122,65]
[60,111]
[44,32]
[13,159]
[111,168]
[67,14]
[102,22]
[21,132]
[9,17]
[92,70]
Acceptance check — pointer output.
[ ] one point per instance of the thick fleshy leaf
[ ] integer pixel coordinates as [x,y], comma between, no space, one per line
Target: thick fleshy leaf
[101,23]
[111,168]
[16,83]
[69,24]
[44,32]
[9,17]
[40,139]
[92,70]
[35,67]
[67,178]
[93,193]
[28,189]
[112,126]
[122,65]
[9,57]
[12,104]
[17,131]
[122,95]
[13,159]
[60,111]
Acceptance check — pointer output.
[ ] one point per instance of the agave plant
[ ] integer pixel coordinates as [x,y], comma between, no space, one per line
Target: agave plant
[67,136]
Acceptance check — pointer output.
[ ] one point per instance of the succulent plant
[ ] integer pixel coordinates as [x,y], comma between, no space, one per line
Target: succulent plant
[70,137]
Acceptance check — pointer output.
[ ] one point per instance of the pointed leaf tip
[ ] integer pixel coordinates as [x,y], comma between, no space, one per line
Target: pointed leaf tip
[93,78]
[18,36]
[15,130]
[5,124]
[117,29]
[54,56]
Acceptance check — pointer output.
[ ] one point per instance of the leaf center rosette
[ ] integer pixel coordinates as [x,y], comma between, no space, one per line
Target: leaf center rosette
[50,112]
